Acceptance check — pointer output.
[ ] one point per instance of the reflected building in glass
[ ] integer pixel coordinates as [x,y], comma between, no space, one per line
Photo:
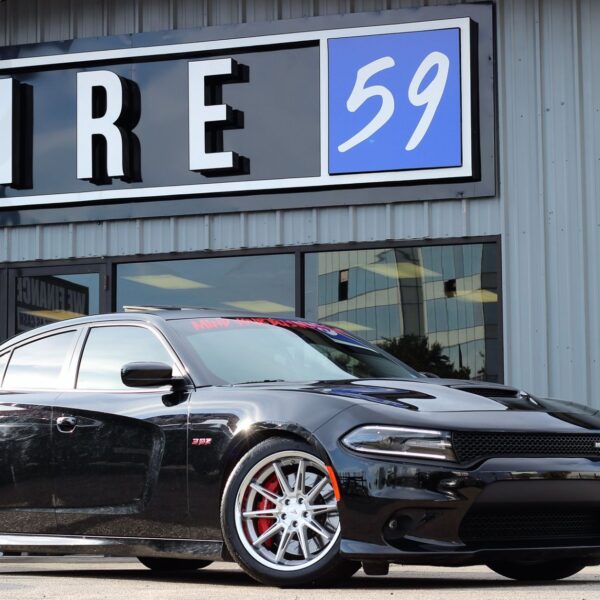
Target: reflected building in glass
[436,307]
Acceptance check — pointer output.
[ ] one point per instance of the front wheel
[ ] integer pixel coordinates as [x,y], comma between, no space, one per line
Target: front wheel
[280,516]
[544,571]
[172,564]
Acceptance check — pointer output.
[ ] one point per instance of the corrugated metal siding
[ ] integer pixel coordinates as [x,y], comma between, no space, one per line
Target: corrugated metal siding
[249,230]
[550,136]
[30,21]
[548,212]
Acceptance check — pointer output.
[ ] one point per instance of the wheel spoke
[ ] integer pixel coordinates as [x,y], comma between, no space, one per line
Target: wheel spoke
[255,514]
[264,492]
[286,538]
[319,509]
[303,540]
[316,490]
[283,482]
[286,514]
[317,528]
[269,533]
[300,476]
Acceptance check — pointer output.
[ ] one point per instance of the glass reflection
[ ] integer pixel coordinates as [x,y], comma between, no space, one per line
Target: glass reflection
[38,365]
[108,349]
[434,307]
[260,284]
[45,299]
[3,363]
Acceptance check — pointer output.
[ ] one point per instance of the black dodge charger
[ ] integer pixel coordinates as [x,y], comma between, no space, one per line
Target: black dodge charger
[186,436]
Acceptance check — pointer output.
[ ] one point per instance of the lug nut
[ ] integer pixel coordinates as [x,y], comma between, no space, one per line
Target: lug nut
[305,514]
[300,500]
[295,523]
[284,516]
[393,524]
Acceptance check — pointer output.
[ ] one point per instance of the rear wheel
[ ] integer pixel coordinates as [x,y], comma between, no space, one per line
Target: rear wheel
[544,571]
[172,564]
[280,517]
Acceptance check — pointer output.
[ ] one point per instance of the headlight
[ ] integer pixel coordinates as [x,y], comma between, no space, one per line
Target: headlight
[401,441]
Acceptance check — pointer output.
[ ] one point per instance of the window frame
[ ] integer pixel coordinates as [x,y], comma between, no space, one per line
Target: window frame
[75,366]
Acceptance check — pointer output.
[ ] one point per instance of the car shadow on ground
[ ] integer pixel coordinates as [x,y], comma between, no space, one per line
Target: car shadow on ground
[235,578]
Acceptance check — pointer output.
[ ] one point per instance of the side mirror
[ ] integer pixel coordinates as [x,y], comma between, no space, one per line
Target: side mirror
[147,375]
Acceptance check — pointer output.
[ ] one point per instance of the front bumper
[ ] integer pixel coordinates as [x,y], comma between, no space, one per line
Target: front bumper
[439,514]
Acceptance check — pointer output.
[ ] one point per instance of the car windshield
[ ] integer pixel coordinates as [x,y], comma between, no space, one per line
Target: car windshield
[256,350]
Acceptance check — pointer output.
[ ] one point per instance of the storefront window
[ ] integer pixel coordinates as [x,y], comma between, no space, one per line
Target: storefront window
[45,299]
[434,307]
[259,284]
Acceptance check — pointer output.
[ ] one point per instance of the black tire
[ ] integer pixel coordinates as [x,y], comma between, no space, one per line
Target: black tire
[164,565]
[545,571]
[330,569]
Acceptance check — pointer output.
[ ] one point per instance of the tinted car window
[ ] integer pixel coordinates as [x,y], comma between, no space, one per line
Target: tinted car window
[38,365]
[109,349]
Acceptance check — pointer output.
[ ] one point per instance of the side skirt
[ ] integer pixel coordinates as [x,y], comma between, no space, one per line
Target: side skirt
[113,546]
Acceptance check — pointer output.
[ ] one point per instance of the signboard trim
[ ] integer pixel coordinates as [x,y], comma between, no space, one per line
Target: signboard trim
[324,179]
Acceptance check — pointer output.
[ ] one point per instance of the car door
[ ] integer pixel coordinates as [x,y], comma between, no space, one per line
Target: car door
[120,453]
[31,375]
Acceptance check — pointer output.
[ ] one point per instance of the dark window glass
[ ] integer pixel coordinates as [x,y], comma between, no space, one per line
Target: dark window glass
[343,285]
[259,284]
[249,350]
[440,303]
[108,349]
[45,299]
[39,365]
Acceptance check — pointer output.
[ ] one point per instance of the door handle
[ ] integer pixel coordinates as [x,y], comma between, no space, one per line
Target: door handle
[66,424]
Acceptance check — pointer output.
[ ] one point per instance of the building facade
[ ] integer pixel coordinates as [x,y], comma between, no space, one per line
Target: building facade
[421,173]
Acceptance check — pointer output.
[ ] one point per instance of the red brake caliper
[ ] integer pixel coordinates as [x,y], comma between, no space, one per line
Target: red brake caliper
[264,523]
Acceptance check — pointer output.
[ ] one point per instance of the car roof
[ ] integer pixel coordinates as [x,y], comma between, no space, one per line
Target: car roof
[153,314]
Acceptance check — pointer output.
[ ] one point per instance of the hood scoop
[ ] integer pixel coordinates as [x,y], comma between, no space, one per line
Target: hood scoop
[390,396]
[489,392]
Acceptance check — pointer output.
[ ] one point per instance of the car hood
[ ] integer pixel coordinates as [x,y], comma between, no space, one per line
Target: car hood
[443,395]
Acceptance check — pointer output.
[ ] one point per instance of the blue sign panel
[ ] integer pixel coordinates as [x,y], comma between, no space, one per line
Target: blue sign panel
[395,102]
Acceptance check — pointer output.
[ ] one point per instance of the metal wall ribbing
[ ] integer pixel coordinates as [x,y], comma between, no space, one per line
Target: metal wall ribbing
[548,209]
[549,87]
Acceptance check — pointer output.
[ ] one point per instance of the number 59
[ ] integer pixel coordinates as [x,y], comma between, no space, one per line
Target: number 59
[429,97]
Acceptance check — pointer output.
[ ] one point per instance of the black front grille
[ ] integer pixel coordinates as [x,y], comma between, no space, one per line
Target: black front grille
[529,526]
[470,446]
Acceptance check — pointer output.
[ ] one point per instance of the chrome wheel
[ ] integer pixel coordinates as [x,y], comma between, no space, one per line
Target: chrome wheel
[286,513]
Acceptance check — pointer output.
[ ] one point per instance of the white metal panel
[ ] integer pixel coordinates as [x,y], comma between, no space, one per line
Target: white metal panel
[589,121]
[413,220]
[549,95]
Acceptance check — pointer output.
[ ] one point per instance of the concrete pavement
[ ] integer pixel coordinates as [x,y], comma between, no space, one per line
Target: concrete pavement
[92,578]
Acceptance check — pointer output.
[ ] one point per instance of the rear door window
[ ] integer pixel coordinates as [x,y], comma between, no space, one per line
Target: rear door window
[39,365]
